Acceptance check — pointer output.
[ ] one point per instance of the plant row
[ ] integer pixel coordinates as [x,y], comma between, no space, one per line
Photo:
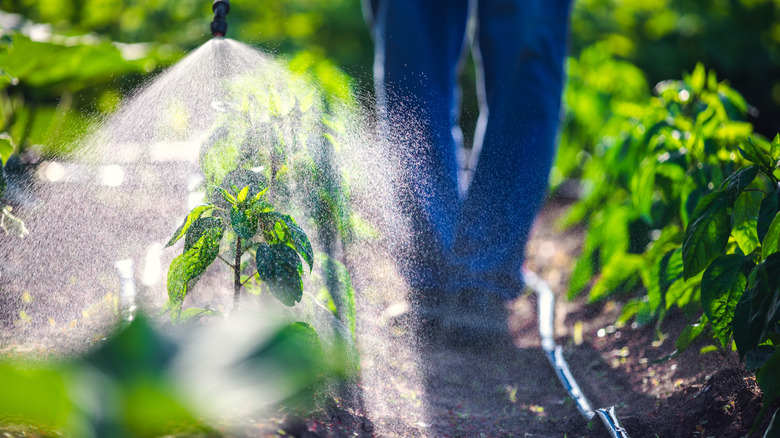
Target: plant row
[681,207]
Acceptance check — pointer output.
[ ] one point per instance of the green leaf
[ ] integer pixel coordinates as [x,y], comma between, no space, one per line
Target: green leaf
[643,187]
[768,380]
[241,178]
[745,218]
[707,234]
[690,333]
[243,221]
[280,268]
[758,311]
[682,291]
[775,148]
[755,155]
[769,208]
[241,197]
[282,228]
[666,272]
[230,199]
[199,227]
[722,286]
[196,213]
[771,243]
[300,242]
[620,272]
[191,264]
[738,181]
[6,148]
[698,78]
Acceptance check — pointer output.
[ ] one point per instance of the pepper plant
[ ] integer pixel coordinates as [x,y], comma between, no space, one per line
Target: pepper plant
[244,213]
[277,135]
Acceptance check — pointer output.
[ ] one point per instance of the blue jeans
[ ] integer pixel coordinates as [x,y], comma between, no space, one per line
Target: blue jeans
[474,240]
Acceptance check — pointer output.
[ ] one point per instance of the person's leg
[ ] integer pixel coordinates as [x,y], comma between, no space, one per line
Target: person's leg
[418,46]
[521,46]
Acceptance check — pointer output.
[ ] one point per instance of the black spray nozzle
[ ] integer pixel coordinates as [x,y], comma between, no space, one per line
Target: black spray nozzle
[219,25]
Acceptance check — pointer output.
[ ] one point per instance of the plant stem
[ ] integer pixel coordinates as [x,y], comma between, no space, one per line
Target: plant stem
[237,274]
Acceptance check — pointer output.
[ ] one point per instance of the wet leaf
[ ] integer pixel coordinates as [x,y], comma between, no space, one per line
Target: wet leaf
[196,213]
[243,221]
[280,268]
[722,286]
[191,264]
[200,226]
[226,196]
[707,234]
[241,196]
[282,228]
[254,182]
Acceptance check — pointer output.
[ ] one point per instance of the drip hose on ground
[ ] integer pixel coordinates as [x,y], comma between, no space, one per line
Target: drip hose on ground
[554,354]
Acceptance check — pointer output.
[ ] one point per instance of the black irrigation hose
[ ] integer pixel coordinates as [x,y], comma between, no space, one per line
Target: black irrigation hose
[554,354]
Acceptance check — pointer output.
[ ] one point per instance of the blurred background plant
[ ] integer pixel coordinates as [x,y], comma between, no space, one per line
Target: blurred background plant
[93,52]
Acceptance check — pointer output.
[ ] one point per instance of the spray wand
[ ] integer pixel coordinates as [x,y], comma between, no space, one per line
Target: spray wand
[219,25]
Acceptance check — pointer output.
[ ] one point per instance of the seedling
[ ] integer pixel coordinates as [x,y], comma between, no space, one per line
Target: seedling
[241,215]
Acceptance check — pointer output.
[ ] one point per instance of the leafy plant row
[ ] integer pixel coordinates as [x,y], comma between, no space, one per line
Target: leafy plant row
[682,212]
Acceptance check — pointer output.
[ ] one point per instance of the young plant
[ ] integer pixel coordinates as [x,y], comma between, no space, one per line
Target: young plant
[240,211]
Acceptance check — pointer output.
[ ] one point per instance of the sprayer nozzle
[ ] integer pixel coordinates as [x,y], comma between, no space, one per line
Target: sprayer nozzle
[219,25]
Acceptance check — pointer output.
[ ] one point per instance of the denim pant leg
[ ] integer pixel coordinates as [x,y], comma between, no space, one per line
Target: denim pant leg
[521,46]
[418,45]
